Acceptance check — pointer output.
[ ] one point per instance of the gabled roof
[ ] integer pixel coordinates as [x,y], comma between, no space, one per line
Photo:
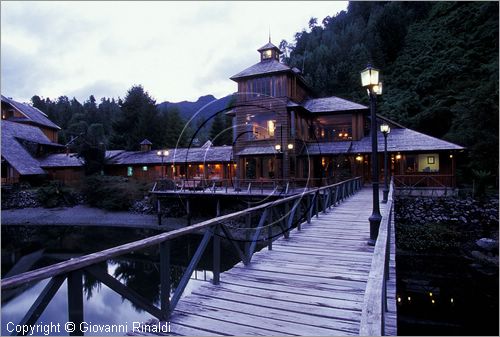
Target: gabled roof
[15,153]
[25,132]
[267,46]
[265,67]
[32,114]
[146,142]
[331,104]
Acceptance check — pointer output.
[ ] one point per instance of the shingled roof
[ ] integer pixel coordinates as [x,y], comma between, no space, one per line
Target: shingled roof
[32,114]
[15,154]
[404,140]
[213,154]
[25,132]
[269,45]
[330,104]
[257,150]
[328,148]
[61,160]
[266,67]
[399,140]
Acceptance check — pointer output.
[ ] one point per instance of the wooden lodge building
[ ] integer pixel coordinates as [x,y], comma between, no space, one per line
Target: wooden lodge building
[280,132]
[30,151]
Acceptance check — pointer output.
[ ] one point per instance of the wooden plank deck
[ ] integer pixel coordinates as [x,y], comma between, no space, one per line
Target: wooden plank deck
[310,284]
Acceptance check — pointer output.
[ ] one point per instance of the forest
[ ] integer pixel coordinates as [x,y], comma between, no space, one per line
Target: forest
[438,62]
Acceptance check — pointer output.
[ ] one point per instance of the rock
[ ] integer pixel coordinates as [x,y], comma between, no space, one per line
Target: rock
[487,244]
[482,258]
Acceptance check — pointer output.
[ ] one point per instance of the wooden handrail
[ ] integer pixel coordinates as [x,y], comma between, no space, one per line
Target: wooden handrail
[90,259]
[375,299]
[74,269]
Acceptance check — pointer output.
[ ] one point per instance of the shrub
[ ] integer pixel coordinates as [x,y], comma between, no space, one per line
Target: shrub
[113,193]
[55,194]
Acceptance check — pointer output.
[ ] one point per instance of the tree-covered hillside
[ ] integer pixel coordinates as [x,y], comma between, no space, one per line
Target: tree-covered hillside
[439,64]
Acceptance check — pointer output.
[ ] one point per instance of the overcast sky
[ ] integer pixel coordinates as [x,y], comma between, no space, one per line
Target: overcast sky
[176,50]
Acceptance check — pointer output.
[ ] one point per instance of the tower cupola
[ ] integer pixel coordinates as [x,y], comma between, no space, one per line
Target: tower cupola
[269,52]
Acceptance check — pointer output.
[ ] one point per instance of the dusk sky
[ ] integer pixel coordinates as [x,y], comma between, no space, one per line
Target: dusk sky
[176,50]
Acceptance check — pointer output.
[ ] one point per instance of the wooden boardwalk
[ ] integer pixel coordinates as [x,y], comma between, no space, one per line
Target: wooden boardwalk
[310,284]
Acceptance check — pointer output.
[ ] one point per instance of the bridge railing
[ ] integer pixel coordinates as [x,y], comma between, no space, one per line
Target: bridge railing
[260,224]
[375,300]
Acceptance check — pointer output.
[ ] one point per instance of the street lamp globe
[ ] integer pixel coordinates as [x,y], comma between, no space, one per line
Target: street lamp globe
[385,128]
[277,147]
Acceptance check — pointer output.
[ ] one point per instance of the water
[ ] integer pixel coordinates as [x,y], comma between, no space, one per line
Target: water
[140,271]
[445,295]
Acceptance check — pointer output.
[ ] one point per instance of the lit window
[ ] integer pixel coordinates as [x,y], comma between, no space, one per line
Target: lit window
[266,54]
[271,126]
[144,168]
[130,171]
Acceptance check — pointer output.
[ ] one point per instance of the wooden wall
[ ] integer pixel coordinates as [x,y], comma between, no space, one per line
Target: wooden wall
[68,175]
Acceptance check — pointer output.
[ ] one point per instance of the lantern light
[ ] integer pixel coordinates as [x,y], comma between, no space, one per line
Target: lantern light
[277,147]
[369,77]
[290,146]
[385,128]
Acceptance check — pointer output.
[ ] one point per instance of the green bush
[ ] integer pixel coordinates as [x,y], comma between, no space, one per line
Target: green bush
[55,194]
[113,193]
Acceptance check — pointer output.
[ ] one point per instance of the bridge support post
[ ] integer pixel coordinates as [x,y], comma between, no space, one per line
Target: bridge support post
[216,255]
[316,197]
[75,301]
[188,209]
[158,210]
[309,206]
[165,287]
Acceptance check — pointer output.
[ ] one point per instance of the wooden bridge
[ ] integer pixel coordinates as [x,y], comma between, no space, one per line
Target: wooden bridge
[312,283]
[319,278]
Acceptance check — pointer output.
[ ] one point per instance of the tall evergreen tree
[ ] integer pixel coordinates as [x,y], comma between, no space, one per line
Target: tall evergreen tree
[221,131]
[139,120]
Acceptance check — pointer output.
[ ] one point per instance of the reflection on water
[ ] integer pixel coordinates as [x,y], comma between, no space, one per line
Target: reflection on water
[445,295]
[139,270]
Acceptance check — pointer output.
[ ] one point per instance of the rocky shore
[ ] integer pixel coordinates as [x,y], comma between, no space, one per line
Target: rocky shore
[450,225]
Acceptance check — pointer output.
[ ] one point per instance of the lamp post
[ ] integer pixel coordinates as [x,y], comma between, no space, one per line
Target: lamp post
[279,149]
[162,154]
[369,80]
[385,129]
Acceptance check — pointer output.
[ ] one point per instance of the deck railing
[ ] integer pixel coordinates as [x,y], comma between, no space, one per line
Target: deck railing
[424,180]
[243,186]
[260,225]
[375,300]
